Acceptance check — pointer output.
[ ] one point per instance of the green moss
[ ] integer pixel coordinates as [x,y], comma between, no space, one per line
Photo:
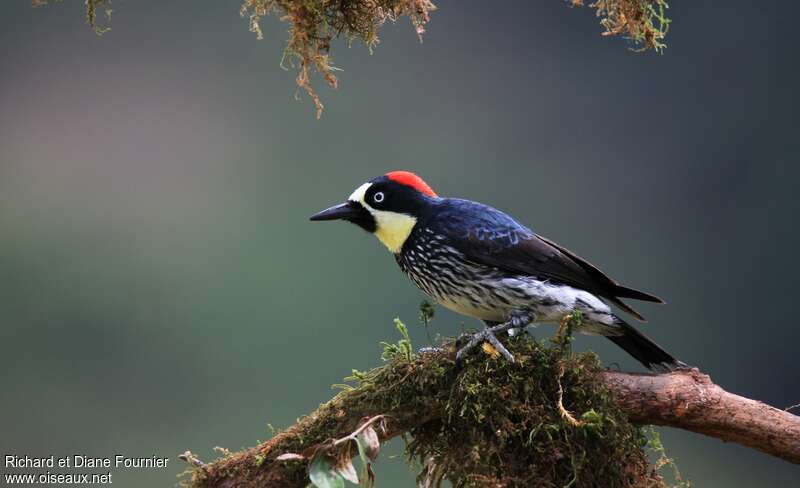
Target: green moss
[502,426]
[488,422]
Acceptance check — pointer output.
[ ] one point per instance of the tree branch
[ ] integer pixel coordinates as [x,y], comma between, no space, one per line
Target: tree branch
[685,399]
[689,400]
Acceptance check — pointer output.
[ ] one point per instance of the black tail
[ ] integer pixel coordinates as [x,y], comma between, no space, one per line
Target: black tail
[644,350]
[625,292]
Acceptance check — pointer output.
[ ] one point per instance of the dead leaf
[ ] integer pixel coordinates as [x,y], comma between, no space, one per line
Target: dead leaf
[370,442]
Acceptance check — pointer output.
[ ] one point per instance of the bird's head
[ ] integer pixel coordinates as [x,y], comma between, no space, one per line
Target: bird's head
[387,206]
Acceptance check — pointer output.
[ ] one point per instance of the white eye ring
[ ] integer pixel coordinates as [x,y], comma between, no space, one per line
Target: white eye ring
[378,197]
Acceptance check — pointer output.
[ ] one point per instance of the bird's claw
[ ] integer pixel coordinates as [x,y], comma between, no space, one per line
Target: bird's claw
[488,335]
[493,340]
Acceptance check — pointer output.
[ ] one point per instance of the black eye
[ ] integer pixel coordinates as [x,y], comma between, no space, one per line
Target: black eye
[378,197]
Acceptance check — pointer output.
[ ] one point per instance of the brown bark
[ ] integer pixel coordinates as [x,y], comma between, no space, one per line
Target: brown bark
[689,400]
[685,399]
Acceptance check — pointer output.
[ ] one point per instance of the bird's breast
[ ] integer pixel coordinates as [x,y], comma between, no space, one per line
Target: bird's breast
[443,273]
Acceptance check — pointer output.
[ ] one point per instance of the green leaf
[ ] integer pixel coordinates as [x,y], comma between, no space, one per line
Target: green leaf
[322,472]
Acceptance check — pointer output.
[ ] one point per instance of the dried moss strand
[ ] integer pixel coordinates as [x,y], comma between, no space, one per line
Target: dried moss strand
[644,22]
[316,23]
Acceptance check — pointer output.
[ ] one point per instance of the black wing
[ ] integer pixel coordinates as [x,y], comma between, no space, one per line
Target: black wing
[488,236]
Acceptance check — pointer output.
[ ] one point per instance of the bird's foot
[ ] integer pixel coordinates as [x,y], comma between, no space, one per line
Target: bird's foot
[485,335]
[516,323]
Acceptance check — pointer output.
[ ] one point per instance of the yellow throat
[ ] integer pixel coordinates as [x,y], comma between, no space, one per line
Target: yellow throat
[393,228]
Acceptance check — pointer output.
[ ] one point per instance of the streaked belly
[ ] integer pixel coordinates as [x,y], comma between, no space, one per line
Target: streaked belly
[468,308]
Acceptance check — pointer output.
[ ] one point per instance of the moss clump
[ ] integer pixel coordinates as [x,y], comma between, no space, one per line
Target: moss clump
[405,389]
[503,426]
[642,21]
[488,422]
[315,23]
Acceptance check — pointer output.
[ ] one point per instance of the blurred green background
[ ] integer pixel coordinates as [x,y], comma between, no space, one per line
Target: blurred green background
[161,288]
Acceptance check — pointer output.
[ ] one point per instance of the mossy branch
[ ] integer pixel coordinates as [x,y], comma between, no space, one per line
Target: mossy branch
[493,423]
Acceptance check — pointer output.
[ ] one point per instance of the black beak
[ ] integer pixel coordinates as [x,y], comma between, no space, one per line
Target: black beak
[350,211]
[343,211]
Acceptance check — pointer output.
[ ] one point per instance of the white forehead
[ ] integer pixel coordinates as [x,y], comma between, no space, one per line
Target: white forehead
[358,195]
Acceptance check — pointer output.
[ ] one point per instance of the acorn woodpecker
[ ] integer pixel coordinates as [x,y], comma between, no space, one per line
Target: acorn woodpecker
[480,262]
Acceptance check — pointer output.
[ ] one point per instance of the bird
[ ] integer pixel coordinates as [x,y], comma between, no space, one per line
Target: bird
[480,262]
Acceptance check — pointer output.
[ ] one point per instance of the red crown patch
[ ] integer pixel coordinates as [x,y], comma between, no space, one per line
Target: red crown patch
[410,179]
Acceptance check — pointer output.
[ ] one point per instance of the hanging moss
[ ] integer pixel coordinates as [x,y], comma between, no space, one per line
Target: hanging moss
[316,23]
[642,21]
[91,7]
